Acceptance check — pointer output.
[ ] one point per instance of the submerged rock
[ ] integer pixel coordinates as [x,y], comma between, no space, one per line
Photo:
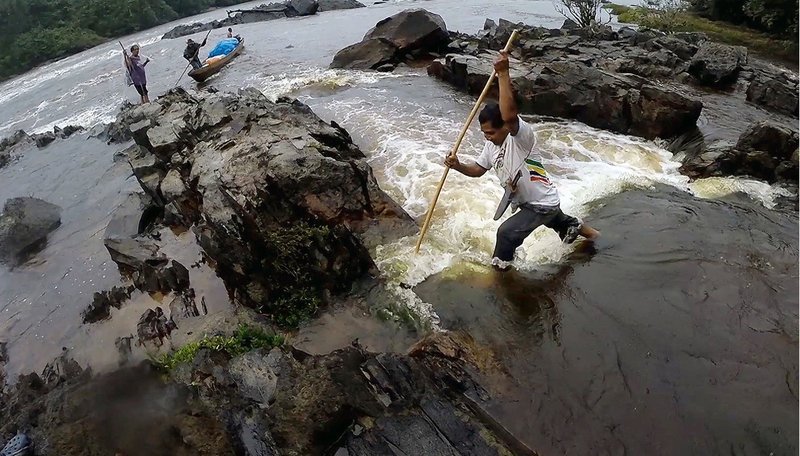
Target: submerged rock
[25,224]
[103,301]
[154,327]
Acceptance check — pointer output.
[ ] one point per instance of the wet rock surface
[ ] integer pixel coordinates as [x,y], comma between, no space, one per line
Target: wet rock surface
[24,225]
[131,412]
[283,204]
[350,401]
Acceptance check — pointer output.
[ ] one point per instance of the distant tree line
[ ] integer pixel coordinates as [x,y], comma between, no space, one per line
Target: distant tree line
[36,31]
[777,17]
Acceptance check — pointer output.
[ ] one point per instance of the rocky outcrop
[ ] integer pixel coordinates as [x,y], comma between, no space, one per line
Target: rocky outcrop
[407,35]
[153,326]
[774,89]
[24,226]
[765,151]
[572,90]
[717,64]
[21,140]
[330,5]
[354,402]
[284,204]
[266,12]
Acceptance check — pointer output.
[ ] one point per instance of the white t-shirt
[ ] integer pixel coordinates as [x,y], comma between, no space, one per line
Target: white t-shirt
[518,154]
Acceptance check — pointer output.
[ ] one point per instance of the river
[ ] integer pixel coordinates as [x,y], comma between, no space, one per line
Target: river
[405,122]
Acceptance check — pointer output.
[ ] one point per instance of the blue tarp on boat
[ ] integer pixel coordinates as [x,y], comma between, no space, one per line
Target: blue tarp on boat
[224,47]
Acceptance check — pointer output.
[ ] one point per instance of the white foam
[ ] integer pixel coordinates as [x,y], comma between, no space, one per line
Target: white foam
[86,118]
[718,187]
[409,144]
[277,85]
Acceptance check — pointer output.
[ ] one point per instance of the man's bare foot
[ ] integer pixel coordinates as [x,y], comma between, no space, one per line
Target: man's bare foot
[588,232]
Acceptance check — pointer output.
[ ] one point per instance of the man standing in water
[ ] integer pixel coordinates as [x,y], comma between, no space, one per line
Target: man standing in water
[191,52]
[136,71]
[511,150]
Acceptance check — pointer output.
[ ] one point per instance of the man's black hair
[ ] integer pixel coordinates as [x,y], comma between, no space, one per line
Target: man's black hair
[491,113]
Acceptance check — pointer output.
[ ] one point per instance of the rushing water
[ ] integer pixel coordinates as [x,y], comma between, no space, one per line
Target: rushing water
[405,122]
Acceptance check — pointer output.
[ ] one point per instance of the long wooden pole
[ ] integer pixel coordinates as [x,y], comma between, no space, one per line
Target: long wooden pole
[454,150]
[125,53]
[190,62]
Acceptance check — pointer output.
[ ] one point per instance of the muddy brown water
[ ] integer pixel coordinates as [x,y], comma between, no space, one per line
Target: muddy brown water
[677,336]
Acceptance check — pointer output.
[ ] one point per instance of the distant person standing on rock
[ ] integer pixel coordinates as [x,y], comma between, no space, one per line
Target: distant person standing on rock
[136,71]
[511,150]
[191,52]
[230,32]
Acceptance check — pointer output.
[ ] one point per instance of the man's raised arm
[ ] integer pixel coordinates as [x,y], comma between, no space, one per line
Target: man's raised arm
[508,106]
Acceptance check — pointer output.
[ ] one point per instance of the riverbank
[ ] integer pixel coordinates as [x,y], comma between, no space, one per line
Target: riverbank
[761,44]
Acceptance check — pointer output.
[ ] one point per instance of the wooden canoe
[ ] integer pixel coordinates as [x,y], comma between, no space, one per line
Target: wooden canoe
[206,71]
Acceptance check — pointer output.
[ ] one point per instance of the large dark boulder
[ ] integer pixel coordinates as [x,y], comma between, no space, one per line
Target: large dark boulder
[25,224]
[301,8]
[717,64]
[411,33]
[412,29]
[369,54]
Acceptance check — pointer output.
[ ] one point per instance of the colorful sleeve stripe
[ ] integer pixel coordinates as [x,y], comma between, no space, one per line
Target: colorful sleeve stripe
[535,166]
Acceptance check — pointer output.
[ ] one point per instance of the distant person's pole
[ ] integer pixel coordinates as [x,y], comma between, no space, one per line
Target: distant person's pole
[190,61]
[454,150]
[125,54]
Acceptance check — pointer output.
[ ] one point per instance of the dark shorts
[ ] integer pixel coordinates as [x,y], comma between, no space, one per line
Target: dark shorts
[142,89]
[513,231]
